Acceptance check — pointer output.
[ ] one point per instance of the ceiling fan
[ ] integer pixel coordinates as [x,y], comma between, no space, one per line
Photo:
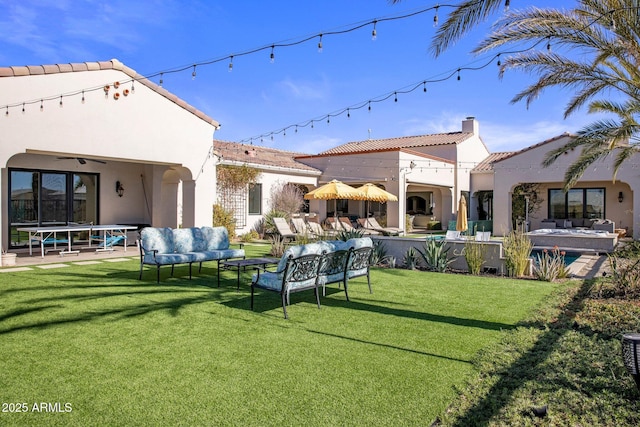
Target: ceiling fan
[82,160]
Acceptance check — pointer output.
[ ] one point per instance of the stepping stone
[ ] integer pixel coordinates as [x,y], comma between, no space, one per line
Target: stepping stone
[48,266]
[117,259]
[8,270]
[87,262]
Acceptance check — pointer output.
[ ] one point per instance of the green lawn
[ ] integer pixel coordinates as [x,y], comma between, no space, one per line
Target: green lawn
[121,351]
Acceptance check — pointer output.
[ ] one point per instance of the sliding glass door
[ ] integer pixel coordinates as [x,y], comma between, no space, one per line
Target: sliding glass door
[49,198]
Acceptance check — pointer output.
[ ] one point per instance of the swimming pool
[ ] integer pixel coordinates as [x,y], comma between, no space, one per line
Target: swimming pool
[569,256]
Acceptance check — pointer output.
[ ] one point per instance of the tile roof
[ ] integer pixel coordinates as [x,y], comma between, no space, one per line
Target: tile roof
[260,156]
[540,144]
[391,144]
[114,64]
[486,165]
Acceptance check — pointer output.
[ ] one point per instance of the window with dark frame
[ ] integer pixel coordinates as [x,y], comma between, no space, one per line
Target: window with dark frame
[577,203]
[255,199]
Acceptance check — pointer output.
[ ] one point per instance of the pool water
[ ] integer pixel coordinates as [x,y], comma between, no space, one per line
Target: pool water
[569,257]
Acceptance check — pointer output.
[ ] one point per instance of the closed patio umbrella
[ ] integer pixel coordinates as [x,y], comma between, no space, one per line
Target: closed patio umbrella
[461,222]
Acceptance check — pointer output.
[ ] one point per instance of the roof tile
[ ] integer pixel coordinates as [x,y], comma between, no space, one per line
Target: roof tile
[259,156]
[398,143]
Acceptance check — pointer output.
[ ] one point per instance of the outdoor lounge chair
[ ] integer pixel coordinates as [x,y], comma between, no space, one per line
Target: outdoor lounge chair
[282,226]
[452,235]
[318,231]
[346,224]
[372,224]
[483,236]
[301,228]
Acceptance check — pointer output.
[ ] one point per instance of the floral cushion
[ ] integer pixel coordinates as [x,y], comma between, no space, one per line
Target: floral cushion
[188,240]
[216,238]
[156,239]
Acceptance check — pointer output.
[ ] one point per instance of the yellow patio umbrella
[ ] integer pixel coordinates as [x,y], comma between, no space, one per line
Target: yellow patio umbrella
[461,221]
[335,190]
[376,194]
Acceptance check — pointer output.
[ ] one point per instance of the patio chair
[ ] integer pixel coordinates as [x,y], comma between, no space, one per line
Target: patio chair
[317,230]
[346,224]
[300,227]
[483,236]
[282,226]
[452,235]
[372,224]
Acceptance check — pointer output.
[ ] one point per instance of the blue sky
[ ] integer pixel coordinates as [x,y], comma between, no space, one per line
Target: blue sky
[258,96]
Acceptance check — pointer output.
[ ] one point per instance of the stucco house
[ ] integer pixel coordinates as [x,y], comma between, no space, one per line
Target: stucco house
[71,133]
[428,173]
[595,196]
[275,167]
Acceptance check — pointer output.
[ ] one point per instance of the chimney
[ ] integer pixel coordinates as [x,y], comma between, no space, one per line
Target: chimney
[470,125]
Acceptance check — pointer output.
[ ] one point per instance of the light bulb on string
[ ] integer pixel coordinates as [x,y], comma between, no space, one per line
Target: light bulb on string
[23,108]
[549,44]
[272,57]
[435,18]
[7,112]
[193,73]
[41,105]
[161,80]
[374,33]
[231,63]
[328,119]
[82,100]
[369,108]
[395,99]
[458,74]
[499,63]
[133,88]
[348,114]
[311,124]
[506,5]
[320,44]
[424,86]
[60,101]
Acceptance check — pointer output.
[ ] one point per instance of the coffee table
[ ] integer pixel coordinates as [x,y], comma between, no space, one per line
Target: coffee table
[249,262]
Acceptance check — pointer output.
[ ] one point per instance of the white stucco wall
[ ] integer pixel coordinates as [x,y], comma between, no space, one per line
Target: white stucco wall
[140,136]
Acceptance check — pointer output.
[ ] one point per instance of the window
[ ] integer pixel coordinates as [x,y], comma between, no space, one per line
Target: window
[50,198]
[255,199]
[577,203]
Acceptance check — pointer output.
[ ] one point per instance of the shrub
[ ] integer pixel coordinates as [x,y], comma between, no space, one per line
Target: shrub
[408,223]
[411,259]
[224,218]
[345,235]
[379,254]
[277,246]
[517,251]
[550,265]
[286,197]
[435,256]
[251,235]
[624,280]
[474,255]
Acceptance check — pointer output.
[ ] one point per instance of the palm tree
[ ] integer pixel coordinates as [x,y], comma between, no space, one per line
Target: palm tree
[603,36]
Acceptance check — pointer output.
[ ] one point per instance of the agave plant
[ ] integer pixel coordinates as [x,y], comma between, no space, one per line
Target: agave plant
[435,255]
[411,258]
[345,235]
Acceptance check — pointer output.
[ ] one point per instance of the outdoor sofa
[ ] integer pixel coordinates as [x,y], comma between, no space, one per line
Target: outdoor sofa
[583,223]
[167,246]
[315,265]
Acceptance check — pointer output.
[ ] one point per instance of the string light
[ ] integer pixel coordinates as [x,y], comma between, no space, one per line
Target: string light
[424,86]
[506,5]
[435,18]
[499,63]
[231,63]
[23,108]
[7,112]
[320,44]
[339,32]
[374,33]
[60,101]
[193,73]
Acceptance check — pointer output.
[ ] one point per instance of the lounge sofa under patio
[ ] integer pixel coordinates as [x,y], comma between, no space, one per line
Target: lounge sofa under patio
[167,246]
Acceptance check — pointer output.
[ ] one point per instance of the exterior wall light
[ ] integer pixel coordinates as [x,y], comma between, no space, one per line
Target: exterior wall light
[119,189]
[630,350]
[620,197]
